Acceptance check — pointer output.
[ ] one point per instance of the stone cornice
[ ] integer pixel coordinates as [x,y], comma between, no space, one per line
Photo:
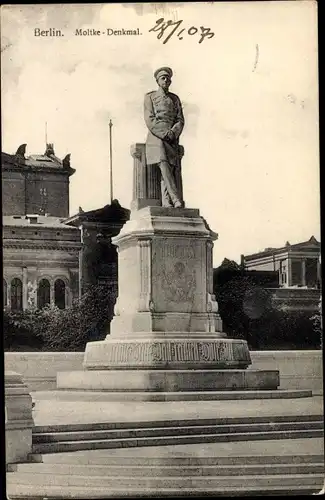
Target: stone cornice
[168,222]
[298,248]
[41,169]
[56,264]
[41,245]
[104,225]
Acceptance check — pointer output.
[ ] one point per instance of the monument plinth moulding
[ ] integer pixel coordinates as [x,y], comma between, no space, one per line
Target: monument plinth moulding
[167,334]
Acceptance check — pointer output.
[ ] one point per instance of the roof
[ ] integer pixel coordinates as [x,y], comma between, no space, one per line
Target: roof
[312,243]
[44,221]
[48,161]
[113,213]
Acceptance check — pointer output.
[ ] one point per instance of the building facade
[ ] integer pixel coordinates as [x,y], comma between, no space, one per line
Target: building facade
[298,265]
[48,256]
[98,256]
[40,262]
[35,184]
[298,268]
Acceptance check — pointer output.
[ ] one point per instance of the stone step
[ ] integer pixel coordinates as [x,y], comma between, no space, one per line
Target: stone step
[121,481]
[171,440]
[94,426]
[37,492]
[105,457]
[210,395]
[168,470]
[48,437]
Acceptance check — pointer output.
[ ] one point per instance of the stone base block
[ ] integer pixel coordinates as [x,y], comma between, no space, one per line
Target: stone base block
[18,418]
[134,397]
[179,352]
[18,445]
[169,380]
[167,322]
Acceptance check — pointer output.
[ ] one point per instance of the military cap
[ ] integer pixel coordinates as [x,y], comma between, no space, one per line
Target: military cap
[163,71]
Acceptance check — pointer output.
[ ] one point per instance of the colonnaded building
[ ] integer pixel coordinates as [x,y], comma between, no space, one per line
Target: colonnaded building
[50,257]
[298,270]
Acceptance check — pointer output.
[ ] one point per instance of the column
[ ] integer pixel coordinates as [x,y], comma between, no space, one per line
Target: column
[139,180]
[25,289]
[303,272]
[289,275]
[9,294]
[32,287]
[319,274]
[146,180]
[52,298]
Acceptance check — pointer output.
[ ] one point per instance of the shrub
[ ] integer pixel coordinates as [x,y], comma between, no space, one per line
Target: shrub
[316,321]
[247,311]
[19,330]
[86,320]
[54,329]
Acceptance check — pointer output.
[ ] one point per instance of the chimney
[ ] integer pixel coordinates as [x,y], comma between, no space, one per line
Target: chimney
[32,218]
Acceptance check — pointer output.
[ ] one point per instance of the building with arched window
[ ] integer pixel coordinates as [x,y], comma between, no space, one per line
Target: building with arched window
[37,251]
[16,294]
[50,257]
[60,293]
[43,293]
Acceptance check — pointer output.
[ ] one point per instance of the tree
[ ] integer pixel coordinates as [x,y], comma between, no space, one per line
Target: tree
[248,311]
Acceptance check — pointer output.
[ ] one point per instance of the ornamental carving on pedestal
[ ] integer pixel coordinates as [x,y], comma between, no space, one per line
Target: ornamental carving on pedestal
[156,353]
[179,284]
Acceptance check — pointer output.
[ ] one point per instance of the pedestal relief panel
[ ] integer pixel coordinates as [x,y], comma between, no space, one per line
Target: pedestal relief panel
[179,268]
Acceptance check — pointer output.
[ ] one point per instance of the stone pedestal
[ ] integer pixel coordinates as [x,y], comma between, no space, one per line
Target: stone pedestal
[167,334]
[165,278]
[166,314]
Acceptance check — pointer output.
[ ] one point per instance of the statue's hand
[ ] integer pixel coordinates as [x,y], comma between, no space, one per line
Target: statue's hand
[170,136]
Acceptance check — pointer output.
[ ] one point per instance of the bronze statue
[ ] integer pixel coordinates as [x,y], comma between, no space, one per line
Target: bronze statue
[164,118]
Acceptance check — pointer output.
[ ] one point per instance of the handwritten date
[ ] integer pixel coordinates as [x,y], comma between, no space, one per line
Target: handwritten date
[169,28]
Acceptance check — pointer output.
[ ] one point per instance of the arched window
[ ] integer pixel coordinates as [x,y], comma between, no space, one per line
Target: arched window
[5,293]
[59,294]
[16,294]
[43,293]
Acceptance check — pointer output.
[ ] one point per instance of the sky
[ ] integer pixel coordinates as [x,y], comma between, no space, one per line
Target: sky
[249,94]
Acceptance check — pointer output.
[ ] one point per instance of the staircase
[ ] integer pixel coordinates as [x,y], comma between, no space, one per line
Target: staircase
[99,475]
[65,438]
[79,460]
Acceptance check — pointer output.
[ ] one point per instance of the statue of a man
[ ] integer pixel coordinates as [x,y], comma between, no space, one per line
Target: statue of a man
[164,118]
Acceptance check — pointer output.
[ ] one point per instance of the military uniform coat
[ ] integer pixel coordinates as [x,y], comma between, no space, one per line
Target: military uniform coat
[162,113]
